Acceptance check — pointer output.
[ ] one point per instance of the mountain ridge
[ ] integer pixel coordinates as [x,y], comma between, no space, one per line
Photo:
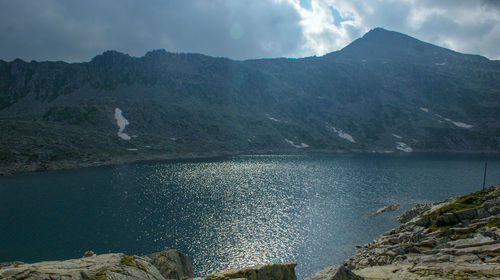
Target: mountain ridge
[377,33]
[385,92]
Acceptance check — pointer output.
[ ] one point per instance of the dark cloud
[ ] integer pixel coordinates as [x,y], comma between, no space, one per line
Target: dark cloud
[76,30]
[492,3]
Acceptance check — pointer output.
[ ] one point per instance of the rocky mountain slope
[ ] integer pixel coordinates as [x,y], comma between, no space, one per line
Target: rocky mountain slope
[385,92]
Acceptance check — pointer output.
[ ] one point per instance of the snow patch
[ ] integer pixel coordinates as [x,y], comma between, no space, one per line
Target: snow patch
[457,124]
[273,119]
[301,146]
[397,136]
[440,64]
[122,123]
[131,149]
[342,134]
[403,147]
[461,124]
[424,109]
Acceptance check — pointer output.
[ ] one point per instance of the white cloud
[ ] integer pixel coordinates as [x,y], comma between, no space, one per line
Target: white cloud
[78,30]
[464,26]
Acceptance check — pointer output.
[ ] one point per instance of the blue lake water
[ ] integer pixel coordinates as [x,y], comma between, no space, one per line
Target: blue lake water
[228,212]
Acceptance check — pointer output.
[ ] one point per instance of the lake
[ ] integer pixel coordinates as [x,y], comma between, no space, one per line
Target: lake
[227,212]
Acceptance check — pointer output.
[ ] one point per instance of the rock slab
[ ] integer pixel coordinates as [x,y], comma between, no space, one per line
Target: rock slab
[107,266]
[285,271]
[335,273]
[172,264]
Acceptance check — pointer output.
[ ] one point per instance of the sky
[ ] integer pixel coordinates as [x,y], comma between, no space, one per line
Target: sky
[76,31]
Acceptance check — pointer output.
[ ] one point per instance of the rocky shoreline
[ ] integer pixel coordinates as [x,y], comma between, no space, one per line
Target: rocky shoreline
[458,238]
[41,166]
[16,167]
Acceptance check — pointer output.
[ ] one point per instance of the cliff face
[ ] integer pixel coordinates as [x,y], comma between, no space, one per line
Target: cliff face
[384,92]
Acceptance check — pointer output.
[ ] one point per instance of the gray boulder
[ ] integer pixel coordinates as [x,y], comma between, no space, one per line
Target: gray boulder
[335,273]
[172,264]
[285,271]
[466,214]
[447,218]
[413,212]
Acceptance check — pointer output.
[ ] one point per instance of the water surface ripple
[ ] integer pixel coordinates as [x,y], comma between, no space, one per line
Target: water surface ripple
[225,213]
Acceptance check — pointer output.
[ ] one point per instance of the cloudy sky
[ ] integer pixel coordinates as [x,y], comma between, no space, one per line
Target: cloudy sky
[74,30]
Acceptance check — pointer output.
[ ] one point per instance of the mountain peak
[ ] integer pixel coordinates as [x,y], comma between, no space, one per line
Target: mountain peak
[381,35]
[380,43]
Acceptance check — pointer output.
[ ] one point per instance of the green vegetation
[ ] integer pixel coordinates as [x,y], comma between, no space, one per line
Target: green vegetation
[100,275]
[469,201]
[130,261]
[435,227]
[495,222]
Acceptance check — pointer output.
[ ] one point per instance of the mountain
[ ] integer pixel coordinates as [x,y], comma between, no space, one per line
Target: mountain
[385,92]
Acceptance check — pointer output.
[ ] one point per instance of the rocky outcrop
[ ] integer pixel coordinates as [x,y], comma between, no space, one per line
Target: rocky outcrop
[335,273]
[284,271]
[169,264]
[108,266]
[172,264]
[459,237]
[386,208]
[413,212]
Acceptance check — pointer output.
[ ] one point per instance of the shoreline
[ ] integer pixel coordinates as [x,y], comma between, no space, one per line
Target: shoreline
[42,166]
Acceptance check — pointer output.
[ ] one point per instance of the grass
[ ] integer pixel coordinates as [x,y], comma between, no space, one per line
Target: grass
[100,275]
[435,227]
[127,261]
[495,222]
[469,201]
[130,261]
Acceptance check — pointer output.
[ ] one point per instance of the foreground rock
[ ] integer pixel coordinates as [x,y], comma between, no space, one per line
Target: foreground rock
[108,266]
[335,273]
[458,238]
[284,271]
[172,264]
[386,208]
[158,266]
